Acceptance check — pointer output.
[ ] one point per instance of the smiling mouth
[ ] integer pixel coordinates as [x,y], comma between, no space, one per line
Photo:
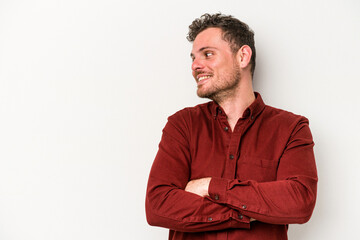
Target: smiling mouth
[201,78]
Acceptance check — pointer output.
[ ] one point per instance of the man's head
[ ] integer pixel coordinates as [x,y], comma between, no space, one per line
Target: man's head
[220,60]
[235,32]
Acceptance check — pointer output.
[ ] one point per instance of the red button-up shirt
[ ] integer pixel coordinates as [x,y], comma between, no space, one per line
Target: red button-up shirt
[264,169]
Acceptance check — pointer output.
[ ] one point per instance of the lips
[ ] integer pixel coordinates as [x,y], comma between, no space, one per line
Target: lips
[201,77]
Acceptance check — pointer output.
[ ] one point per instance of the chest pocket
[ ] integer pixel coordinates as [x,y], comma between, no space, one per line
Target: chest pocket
[257,168]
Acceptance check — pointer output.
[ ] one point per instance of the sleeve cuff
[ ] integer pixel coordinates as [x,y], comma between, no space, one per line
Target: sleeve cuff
[217,189]
[240,221]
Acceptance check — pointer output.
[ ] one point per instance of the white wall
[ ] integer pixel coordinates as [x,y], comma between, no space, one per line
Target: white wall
[86,87]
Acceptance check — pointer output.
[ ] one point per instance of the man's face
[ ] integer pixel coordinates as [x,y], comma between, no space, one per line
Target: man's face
[214,66]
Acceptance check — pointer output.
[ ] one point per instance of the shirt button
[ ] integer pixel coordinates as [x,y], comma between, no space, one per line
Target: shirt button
[244,206]
[226,128]
[231,156]
[216,197]
[210,219]
[252,117]
[241,216]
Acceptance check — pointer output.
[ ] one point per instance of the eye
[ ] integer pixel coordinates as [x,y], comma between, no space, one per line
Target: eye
[208,54]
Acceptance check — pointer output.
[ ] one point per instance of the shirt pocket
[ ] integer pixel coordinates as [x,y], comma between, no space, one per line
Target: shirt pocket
[257,168]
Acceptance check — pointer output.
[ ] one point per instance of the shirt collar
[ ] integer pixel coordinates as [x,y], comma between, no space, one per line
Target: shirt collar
[252,111]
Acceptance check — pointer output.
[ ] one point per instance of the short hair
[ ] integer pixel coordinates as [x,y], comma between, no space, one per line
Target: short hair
[235,32]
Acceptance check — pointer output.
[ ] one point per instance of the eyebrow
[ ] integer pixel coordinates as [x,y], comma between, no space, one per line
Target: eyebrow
[202,49]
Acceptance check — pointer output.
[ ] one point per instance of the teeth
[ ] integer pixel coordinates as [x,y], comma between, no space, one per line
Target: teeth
[203,77]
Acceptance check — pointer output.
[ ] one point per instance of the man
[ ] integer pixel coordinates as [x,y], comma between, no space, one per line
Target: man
[232,168]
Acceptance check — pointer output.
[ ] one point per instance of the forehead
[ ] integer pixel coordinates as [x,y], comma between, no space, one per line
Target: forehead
[210,37]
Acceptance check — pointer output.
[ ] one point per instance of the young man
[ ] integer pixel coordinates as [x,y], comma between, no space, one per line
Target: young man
[232,168]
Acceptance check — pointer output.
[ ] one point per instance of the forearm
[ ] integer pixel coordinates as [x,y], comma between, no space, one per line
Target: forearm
[277,202]
[176,209]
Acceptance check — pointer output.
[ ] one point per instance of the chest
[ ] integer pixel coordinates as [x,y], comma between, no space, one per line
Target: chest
[250,152]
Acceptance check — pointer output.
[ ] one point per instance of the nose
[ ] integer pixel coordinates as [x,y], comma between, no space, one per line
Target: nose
[197,65]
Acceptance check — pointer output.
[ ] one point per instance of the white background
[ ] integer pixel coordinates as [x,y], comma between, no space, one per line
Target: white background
[86,88]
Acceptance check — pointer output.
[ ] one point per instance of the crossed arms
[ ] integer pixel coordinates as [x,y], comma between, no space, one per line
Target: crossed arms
[177,202]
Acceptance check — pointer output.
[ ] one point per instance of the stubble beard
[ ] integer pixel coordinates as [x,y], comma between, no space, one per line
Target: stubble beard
[224,87]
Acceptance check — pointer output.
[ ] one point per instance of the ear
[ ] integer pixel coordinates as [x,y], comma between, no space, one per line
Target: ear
[244,56]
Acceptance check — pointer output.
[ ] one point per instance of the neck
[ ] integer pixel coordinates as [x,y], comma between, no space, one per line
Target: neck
[235,104]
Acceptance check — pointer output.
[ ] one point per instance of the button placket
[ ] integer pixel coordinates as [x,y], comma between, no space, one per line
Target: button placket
[233,147]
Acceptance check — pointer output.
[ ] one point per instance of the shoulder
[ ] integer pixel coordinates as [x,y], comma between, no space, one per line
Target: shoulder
[284,124]
[203,110]
[282,118]
[181,122]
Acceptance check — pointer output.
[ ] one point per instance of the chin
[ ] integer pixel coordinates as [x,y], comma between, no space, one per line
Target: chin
[202,94]
[206,95]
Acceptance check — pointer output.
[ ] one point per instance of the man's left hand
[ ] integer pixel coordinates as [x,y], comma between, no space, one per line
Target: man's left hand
[199,186]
